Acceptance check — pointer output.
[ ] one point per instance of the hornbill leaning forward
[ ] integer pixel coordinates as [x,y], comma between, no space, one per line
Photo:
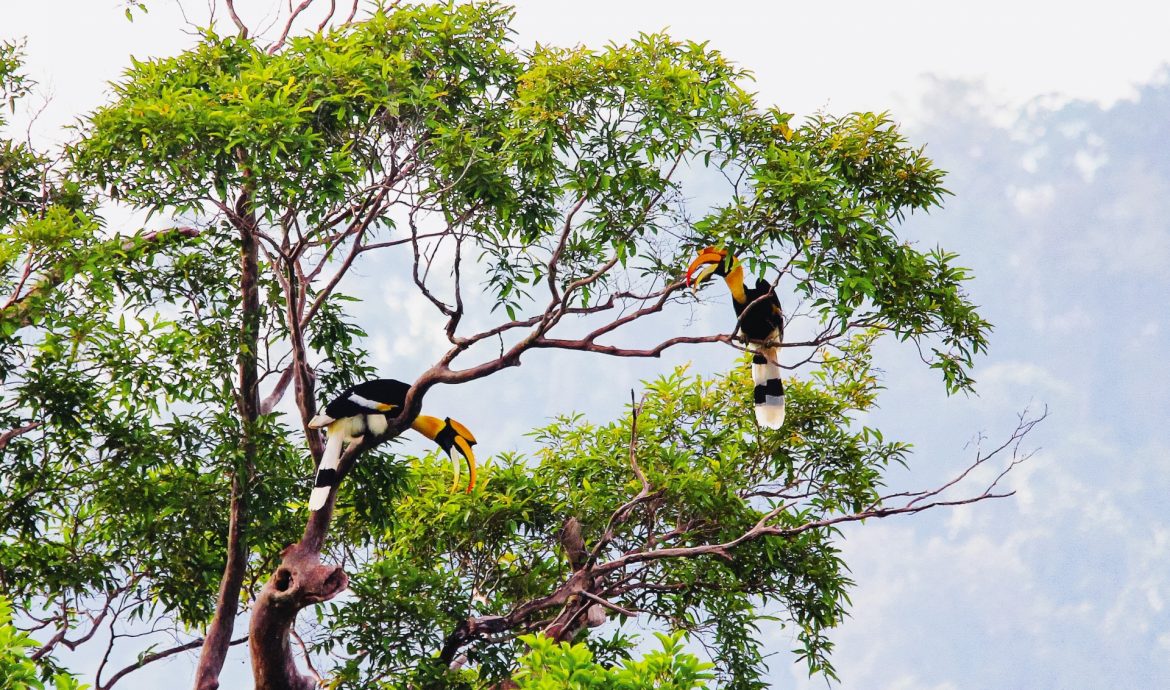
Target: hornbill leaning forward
[366,409]
[761,321]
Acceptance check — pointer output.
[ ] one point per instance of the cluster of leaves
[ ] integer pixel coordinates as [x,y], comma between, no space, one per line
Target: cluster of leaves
[552,666]
[713,476]
[602,132]
[17,671]
[519,146]
[302,129]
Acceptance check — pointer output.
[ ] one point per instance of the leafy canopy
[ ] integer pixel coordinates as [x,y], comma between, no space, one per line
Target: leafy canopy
[569,178]
[712,475]
[510,145]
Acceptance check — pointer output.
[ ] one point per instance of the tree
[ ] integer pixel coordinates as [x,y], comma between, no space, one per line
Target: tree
[422,137]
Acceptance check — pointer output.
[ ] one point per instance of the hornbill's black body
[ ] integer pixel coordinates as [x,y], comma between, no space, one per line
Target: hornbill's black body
[761,323]
[366,409]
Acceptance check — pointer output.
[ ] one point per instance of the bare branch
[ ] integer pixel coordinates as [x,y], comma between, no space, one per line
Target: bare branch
[585,344]
[236,18]
[156,656]
[273,398]
[288,26]
[457,313]
[325,21]
[1023,427]
[353,12]
[556,255]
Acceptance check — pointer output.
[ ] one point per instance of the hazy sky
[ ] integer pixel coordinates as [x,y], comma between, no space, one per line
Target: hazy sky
[1054,120]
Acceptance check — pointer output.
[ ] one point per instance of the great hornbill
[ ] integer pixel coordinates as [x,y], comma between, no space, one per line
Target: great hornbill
[366,409]
[761,321]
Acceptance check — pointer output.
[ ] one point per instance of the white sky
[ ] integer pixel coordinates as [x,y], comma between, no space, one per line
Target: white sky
[845,55]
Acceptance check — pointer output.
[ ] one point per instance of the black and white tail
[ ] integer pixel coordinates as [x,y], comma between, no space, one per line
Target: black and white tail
[769,390]
[327,471]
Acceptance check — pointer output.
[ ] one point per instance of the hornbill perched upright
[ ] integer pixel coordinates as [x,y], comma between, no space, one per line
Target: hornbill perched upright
[761,321]
[366,409]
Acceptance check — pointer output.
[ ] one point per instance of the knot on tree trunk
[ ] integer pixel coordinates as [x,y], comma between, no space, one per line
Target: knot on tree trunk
[300,581]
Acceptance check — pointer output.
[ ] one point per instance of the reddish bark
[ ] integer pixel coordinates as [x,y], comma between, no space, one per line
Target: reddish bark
[300,581]
[219,632]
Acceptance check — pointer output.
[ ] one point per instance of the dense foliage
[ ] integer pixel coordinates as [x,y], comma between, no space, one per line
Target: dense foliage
[549,179]
[548,666]
[445,556]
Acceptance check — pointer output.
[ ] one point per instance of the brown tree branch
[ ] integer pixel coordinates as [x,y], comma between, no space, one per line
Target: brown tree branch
[325,21]
[156,656]
[215,645]
[288,26]
[7,436]
[586,345]
[274,397]
[231,6]
[353,12]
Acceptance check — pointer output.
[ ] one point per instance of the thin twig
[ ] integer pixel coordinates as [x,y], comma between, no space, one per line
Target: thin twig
[288,26]
[156,656]
[236,18]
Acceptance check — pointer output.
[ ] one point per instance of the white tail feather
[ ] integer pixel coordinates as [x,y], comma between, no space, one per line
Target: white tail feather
[769,408]
[771,414]
[329,461]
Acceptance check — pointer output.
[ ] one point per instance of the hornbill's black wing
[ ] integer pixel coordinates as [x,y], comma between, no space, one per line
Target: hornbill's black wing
[378,395]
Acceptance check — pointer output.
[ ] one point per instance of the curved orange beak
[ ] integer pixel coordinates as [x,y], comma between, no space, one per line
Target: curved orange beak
[709,256]
[464,440]
[465,449]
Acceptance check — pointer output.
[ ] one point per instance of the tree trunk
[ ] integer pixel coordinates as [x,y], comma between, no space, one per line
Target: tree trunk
[300,581]
[219,632]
